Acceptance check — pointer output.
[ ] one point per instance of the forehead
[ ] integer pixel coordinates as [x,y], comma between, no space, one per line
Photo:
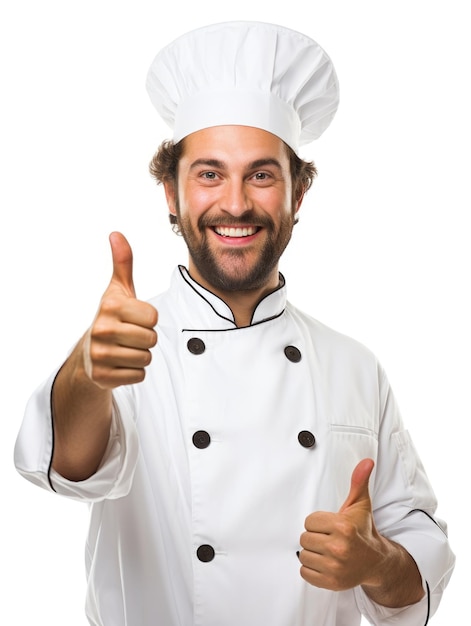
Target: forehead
[234,144]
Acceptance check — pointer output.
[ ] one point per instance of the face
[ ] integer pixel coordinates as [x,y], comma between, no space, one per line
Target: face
[234,206]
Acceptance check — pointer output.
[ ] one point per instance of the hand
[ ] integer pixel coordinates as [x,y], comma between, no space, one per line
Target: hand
[344,549]
[117,346]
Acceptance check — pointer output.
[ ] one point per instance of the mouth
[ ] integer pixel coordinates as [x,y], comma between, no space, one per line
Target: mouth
[235,232]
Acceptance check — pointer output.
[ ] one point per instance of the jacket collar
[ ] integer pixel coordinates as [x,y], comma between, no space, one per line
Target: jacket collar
[213,312]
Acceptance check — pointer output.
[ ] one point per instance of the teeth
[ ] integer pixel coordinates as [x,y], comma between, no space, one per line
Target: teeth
[235,232]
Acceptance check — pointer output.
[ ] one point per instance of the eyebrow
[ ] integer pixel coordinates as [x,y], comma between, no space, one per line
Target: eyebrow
[222,165]
[264,162]
[208,163]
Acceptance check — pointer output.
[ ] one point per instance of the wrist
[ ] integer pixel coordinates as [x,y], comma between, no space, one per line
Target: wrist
[395,581]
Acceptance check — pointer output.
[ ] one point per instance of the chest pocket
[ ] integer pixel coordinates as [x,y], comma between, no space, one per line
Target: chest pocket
[345,447]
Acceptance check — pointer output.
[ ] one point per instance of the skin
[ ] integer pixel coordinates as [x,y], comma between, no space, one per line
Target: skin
[220,186]
[343,550]
[223,186]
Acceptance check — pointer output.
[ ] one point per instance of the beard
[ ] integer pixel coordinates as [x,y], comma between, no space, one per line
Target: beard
[230,270]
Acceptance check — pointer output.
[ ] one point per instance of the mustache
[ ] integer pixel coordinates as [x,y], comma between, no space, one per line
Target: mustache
[247,218]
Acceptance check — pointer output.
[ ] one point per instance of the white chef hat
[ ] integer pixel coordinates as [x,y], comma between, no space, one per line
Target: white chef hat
[245,73]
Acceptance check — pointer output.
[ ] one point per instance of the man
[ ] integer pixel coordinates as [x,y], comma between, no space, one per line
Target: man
[245,465]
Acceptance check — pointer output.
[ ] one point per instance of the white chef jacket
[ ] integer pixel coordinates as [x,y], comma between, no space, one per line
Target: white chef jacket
[216,459]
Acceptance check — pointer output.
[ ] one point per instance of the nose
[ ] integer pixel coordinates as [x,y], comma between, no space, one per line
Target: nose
[235,199]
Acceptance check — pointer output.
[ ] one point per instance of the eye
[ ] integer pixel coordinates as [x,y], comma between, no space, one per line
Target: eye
[209,175]
[262,178]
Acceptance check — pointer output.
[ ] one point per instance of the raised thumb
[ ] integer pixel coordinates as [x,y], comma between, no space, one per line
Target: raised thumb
[359,490]
[122,262]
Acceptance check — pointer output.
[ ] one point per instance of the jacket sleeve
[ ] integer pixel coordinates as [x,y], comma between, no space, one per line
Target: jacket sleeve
[35,446]
[404,509]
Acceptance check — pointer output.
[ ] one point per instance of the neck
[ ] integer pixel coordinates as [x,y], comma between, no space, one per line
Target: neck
[242,303]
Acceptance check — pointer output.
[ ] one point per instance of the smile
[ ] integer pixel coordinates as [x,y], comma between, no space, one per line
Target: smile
[226,231]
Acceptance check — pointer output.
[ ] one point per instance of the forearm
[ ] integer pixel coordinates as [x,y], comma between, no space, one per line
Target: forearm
[81,417]
[397,581]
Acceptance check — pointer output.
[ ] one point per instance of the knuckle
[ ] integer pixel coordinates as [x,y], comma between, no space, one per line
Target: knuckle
[311,521]
[102,330]
[101,378]
[110,304]
[153,338]
[153,316]
[340,551]
[344,527]
[304,573]
[99,353]
[142,359]
[138,376]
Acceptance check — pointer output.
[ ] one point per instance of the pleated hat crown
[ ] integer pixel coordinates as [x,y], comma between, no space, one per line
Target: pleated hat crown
[245,73]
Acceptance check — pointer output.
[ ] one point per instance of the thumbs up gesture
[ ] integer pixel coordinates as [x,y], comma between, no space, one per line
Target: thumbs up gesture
[117,345]
[344,549]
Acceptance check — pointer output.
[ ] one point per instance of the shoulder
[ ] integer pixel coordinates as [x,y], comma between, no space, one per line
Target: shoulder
[330,343]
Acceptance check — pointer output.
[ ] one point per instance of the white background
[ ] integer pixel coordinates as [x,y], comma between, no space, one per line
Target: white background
[381,251]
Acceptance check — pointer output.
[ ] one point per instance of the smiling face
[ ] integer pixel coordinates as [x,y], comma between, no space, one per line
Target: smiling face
[234,206]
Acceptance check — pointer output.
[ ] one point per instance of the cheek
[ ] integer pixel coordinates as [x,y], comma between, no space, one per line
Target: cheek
[193,203]
[280,207]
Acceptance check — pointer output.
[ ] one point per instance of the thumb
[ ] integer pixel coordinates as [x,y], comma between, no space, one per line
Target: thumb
[122,263]
[359,484]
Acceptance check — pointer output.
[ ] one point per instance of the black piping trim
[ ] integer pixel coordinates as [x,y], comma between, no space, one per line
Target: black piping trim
[280,286]
[231,330]
[430,517]
[426,583]
[53,437]
[428,604]
[180,267]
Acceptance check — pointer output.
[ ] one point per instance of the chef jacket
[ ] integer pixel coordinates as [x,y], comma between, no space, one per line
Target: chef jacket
[217,458]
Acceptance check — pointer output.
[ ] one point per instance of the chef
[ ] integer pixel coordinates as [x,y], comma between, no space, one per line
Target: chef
[244,464]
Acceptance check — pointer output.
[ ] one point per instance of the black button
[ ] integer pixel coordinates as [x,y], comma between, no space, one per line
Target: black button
[196,346]
[201,439]
[292,354]
[306,439]
[205,553]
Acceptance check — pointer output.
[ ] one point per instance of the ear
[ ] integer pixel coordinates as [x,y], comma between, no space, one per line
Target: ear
[170,195]
[299,201]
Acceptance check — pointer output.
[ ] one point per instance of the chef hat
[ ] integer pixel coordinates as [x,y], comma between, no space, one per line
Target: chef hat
[245,73]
